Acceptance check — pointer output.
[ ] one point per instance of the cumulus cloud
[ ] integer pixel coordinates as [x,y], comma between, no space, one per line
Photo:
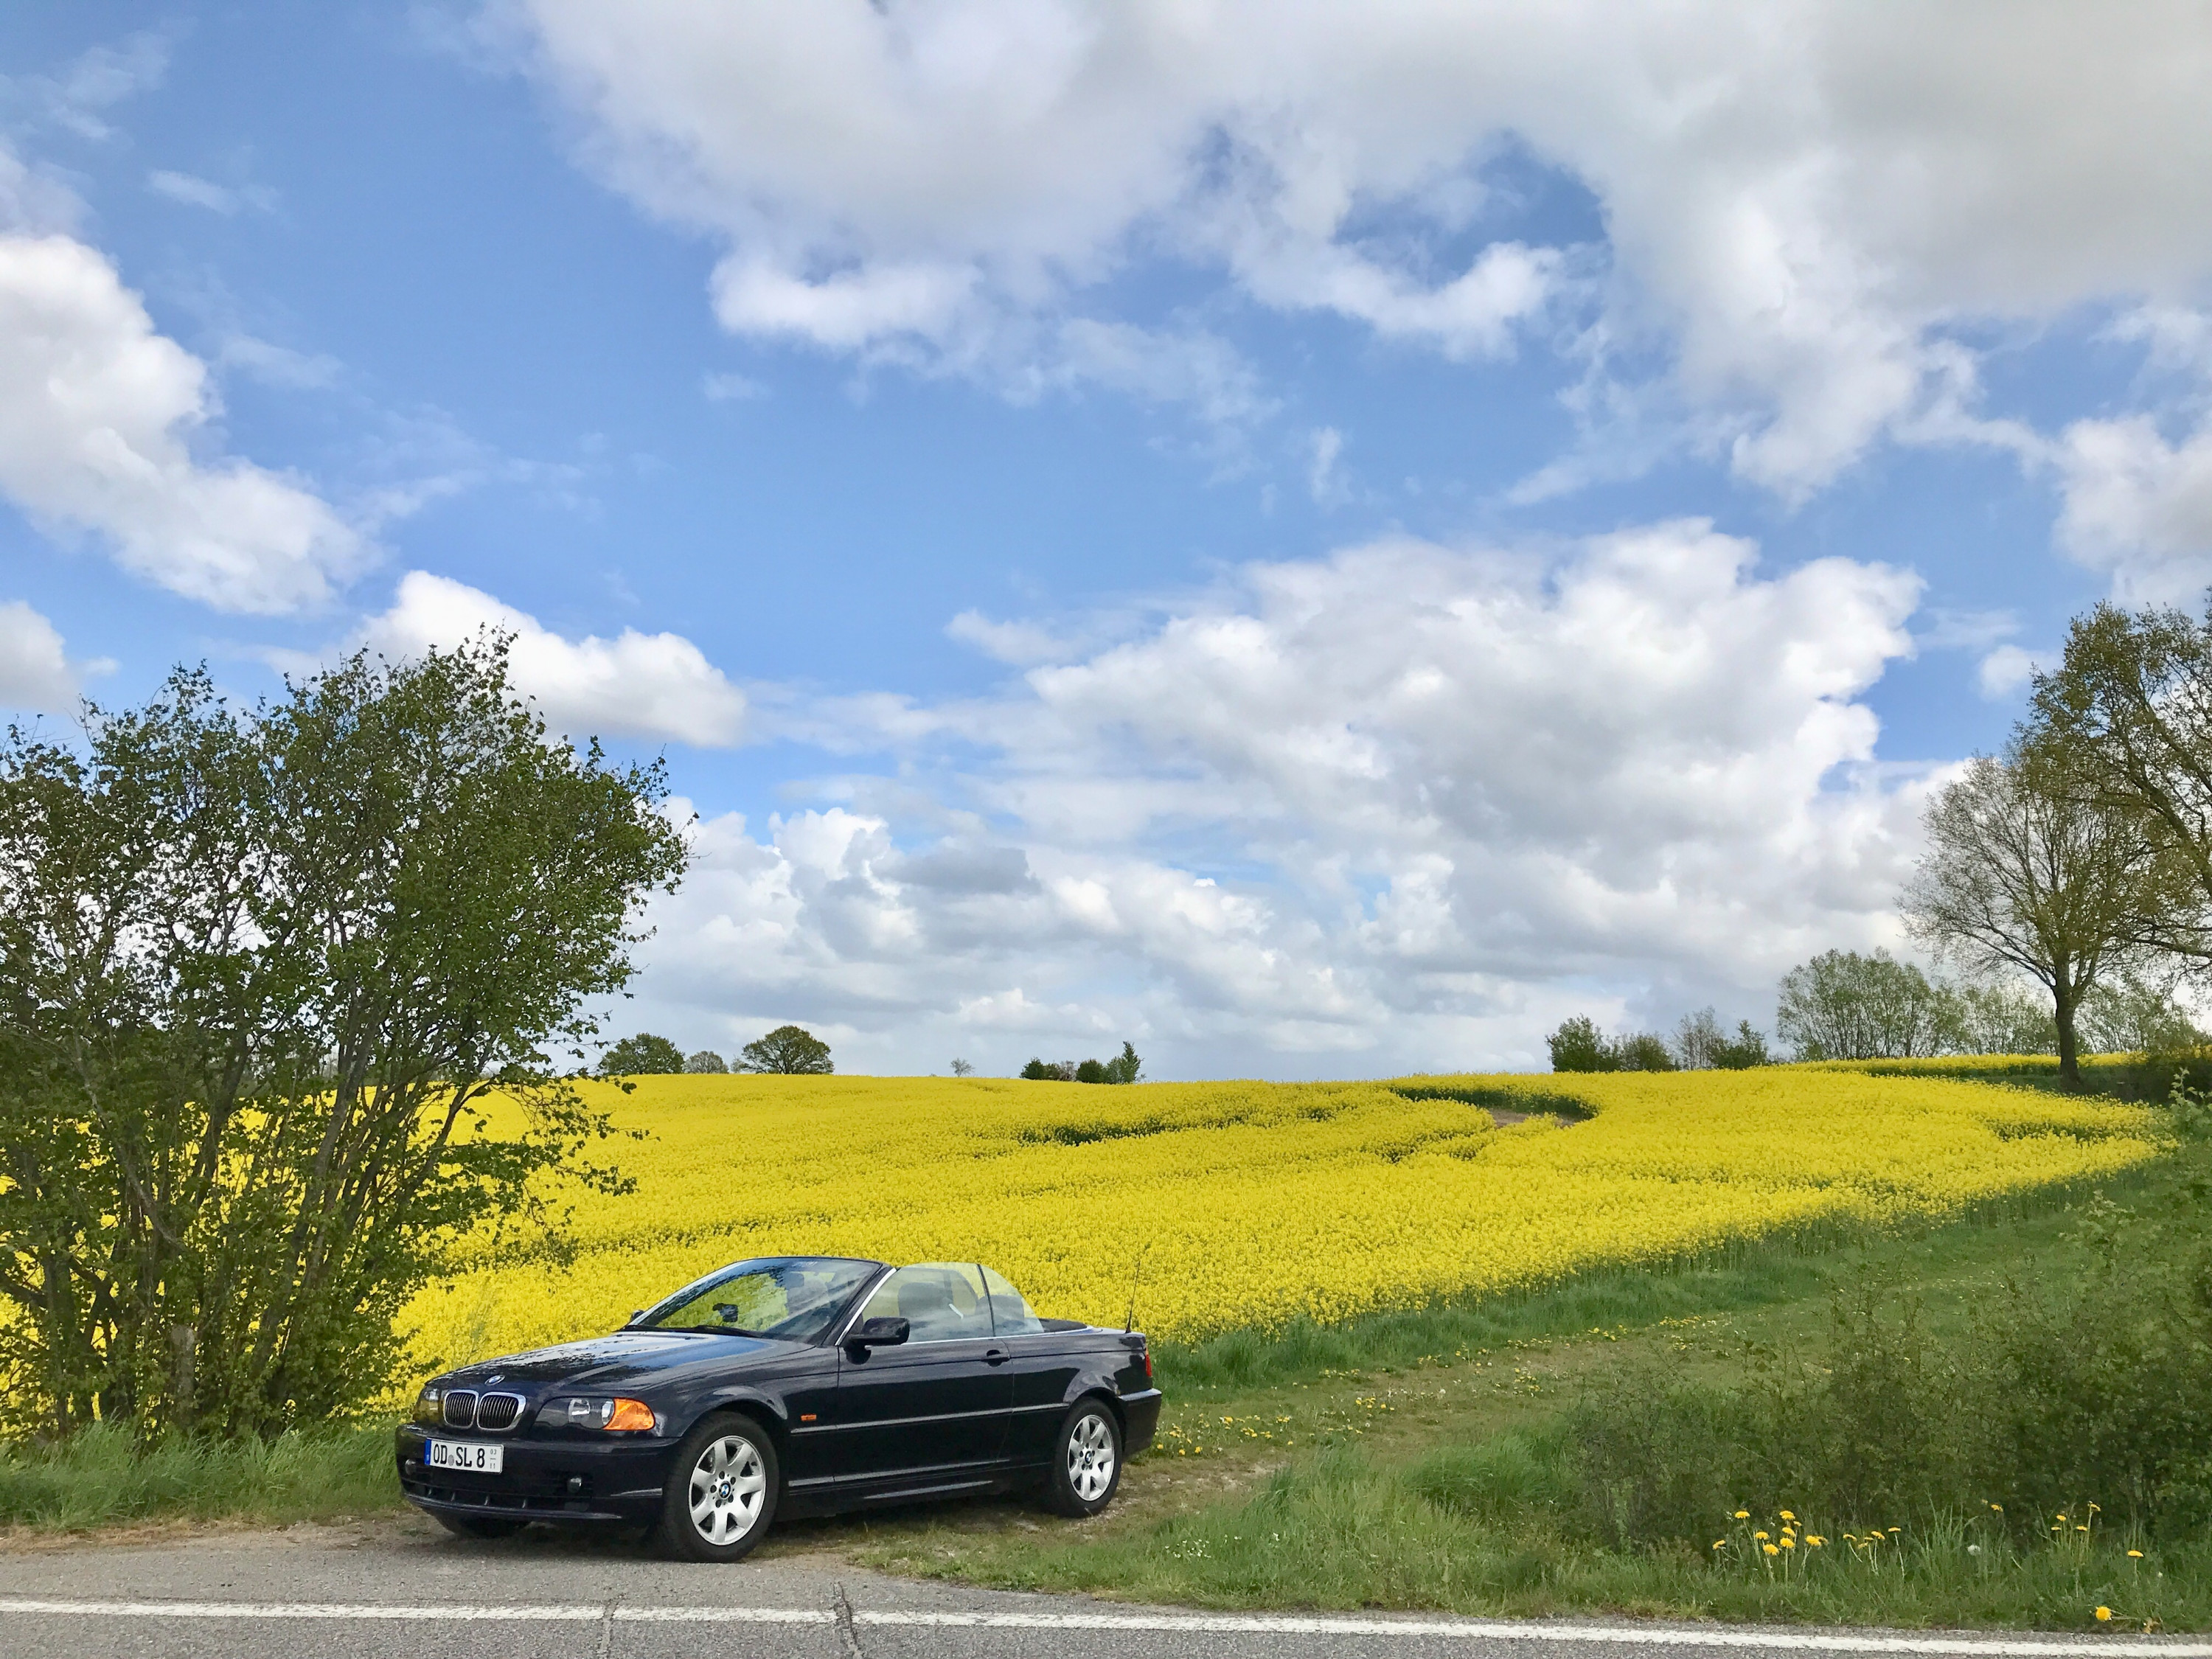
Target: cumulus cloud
[1403,806]
[34,671]
[103,425]
[2138,505]
[1798,203]
[643,685]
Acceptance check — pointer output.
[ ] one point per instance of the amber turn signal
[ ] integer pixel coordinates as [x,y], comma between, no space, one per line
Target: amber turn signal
[631,1414]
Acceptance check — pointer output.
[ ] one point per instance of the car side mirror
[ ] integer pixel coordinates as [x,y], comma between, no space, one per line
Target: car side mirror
[879,1334]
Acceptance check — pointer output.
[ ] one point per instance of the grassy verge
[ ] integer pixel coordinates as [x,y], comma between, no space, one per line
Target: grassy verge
[1424,1461]
[99,1479]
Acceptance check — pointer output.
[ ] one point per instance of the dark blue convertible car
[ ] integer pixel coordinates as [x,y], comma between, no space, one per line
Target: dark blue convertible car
[787,1385]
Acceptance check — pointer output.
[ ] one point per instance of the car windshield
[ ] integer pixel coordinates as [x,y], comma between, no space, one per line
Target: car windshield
[791,1297]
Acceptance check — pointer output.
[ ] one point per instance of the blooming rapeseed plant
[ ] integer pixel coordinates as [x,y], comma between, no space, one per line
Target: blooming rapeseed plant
[1263,1203]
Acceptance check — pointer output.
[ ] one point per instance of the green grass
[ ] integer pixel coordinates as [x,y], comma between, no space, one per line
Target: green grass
[101,1479]
[1429,1467]
[1342,1529]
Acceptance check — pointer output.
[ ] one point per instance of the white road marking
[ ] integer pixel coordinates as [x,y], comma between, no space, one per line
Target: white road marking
[435,1613]
[1221,1624]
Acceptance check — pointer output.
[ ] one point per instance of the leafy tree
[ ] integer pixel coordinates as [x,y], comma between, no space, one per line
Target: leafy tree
[1579,1046]
[261,974]
[642,1055]
[2004,1017]
[1643,1051]
[2128,717]
[1049,1071]
[2134,1013]
[1740,1053]
[791,1050]
[1090,1071]
[1124,1067]
[705,1063]
[2026,871]
[1701,1044]
[963,1068]
[1843,1006]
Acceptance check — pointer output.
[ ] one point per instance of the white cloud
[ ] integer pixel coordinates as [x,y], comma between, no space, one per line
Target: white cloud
[34,671]
[645,685]
[1324,482]
[2005,673]
[1404,806]
[2139,506]
[193,190]
[1798,202]
[1020,643]
[101,425]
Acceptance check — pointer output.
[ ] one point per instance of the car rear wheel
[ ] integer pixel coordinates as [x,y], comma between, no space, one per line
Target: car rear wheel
[721,1491]
[478,1526]
[1086,1464]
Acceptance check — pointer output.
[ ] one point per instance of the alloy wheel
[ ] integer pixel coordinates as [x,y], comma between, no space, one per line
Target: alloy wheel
[728,1485]
[1090,1457]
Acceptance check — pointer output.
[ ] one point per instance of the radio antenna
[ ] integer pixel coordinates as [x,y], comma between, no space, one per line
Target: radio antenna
[1136,1275]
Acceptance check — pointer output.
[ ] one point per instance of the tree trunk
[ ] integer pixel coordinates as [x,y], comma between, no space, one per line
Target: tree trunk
[2065,999]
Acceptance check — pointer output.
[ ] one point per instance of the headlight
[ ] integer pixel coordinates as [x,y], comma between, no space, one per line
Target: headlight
[430,1405]
[598,1411]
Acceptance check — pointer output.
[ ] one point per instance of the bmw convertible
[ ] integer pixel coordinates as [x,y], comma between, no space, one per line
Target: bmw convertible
[785,1385]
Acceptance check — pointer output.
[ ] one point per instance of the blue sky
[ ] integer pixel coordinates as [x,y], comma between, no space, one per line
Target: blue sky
[1319,546]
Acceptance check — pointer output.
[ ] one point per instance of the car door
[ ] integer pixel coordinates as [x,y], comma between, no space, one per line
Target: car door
[1043,1364]
[931,1411]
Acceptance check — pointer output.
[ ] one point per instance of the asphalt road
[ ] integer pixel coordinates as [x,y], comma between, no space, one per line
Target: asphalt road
[404,1589]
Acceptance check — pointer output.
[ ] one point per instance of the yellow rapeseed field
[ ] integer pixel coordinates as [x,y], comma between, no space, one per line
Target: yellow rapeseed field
[1255,1203]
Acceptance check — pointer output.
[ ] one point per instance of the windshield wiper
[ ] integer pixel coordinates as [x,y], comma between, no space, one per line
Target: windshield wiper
[717,1330]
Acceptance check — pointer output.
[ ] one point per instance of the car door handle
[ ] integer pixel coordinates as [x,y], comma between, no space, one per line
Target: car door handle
[996,1356]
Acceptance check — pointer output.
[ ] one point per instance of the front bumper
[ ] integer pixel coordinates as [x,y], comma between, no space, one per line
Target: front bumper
[552,1480]
[1140,1418]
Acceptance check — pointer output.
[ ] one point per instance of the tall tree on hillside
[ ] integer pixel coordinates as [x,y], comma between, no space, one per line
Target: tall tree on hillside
[261,974]
[2127,717]
[1843,1006]
[2026,871]
[642,1055]
[791,1050]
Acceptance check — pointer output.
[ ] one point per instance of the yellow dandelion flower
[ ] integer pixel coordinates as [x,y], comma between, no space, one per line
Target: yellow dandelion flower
[1720,1543]
[1788,1542]
[1786,1515]
[2134,1555]
[2080,1529]
[2104,1615]
[1742,1515]
[1770,1549]
[1760,1537]
[1999,1508]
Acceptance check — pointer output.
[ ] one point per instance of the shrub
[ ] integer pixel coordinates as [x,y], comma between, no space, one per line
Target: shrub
[1579,1046]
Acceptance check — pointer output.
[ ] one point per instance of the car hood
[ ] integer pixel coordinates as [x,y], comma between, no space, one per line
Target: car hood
[610,1362]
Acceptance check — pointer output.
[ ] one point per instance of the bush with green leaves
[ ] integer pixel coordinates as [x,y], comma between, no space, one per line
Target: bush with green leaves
[1124,1067]
[259,984]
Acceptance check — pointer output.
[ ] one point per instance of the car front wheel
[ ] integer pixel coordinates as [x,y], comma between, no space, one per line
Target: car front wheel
[1086,1465]
[721,1491]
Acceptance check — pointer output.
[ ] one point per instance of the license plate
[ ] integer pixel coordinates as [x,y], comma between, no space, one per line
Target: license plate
[470,1454]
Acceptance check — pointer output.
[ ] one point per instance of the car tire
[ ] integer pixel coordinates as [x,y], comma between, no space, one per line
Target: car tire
[478,1526]
[1086,1460]
[721,1492]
